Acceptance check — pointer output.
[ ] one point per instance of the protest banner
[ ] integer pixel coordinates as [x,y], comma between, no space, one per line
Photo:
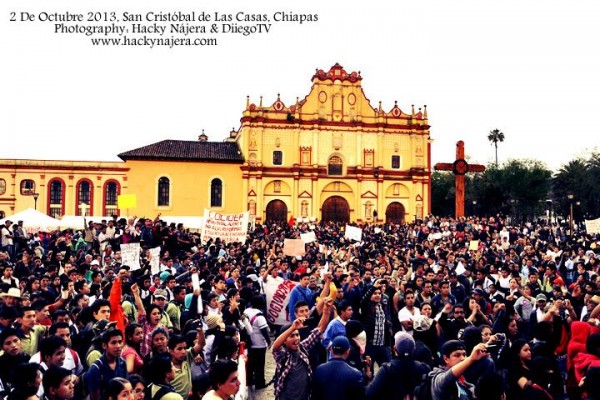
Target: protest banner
[293,247]
[130,255]
[155,260]
[228,227]
[278,297]
[592,226]
[308,237]
[353,233]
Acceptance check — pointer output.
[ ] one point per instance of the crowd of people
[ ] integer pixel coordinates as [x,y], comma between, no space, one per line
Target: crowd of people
[440,308]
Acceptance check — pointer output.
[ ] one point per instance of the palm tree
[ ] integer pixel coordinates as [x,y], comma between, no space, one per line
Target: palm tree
[496,136]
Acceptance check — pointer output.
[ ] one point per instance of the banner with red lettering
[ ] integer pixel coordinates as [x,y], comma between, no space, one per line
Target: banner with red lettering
[229,227]
[278,296]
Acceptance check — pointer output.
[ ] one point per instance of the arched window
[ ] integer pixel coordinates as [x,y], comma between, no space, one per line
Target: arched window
[216,193]
[84,196]
[111,192]
[335,166]
[164,187]
[56,198]
[2,186]
[27,187]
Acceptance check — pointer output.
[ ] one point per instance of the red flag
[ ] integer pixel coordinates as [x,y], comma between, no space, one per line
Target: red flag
[292,221]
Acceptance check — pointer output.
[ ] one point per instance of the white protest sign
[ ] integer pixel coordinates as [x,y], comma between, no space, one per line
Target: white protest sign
[278,296]
[308,237]
[377,231]
[155,261]
[353,233]
[474,245]
[293,247]
[229,227]
[592,226]
[195,282]
[460,268]
[130,255]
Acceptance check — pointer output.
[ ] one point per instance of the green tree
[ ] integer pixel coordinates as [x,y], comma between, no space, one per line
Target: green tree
[442,193]
[494,137]
[576,178]
[519,188]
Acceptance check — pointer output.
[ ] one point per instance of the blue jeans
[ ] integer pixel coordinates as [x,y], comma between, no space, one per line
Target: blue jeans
[378,354]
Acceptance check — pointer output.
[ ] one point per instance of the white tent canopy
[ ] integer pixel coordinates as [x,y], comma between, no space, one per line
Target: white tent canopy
[192,222]
[34,221]
[76,221]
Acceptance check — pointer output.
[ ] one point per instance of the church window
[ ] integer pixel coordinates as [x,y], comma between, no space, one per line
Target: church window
[164,188]
[335,166]
[27,187]
[216,193]
[395,162]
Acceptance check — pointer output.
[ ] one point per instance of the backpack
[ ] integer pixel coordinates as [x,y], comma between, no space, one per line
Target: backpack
[161,392]
[81,388]
[423,390]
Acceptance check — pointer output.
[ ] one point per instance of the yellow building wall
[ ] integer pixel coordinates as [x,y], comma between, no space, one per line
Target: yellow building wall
[189,185]
[337,119]
[13,172]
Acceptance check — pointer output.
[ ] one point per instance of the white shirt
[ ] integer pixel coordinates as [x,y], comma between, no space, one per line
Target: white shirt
[69,362]
[405,315]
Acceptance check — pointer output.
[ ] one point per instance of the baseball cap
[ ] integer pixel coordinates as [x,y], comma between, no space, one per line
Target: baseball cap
[541,297]
[340,344]
[161,293]
[404,343]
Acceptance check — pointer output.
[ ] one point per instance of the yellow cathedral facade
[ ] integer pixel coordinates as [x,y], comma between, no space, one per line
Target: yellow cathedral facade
[329,156]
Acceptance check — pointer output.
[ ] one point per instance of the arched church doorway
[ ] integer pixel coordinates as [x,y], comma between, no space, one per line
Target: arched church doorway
[335,209]
[394,213]
[276,211]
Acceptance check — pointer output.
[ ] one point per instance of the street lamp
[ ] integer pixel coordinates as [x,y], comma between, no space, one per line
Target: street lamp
[474,206]
[570,196]
[35,197]
[549,205]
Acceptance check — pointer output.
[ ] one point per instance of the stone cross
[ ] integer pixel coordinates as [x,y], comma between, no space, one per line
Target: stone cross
[459,167]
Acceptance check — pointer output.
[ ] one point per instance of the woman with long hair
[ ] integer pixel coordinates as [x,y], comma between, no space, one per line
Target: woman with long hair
[134,335]
[119,389]
[149,318]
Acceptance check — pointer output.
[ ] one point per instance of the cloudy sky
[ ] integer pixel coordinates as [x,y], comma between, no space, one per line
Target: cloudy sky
[528,68]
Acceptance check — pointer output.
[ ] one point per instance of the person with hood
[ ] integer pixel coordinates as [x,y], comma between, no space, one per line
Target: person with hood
[580,331]
[588,359]
[355,332]
[399,377]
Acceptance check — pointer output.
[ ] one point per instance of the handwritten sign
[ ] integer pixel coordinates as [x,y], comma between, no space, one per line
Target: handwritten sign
[130,255]
[278,296]
[308,237]
[229,227]
[353,233]
[155,260]
[293,247]
[592,226]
